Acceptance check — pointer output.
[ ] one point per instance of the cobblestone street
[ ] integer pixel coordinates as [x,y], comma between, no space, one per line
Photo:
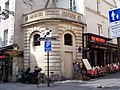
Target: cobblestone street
[110,82]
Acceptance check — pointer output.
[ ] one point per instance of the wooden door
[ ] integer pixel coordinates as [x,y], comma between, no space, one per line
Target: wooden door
[68,64]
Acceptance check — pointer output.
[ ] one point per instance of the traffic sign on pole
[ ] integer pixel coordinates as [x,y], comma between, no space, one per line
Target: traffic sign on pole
[48,48]
[48,38]
[48,33]
[114,20]
[114,15]
[48,45]
[48,42]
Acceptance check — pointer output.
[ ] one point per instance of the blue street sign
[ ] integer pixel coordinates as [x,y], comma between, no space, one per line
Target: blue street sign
[114,15]
[47,46]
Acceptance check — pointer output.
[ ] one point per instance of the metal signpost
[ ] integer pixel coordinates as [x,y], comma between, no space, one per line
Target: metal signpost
[48,48]
[114,20]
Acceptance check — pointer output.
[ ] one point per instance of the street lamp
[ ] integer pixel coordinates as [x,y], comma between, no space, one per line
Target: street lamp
[15,47]
[79,49]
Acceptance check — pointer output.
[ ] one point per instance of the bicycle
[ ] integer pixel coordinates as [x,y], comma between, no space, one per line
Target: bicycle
[55,79]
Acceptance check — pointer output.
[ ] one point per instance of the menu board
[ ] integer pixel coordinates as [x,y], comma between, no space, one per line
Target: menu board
[87,64]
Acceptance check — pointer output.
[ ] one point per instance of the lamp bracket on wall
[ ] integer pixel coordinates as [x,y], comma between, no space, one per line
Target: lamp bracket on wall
[5,13]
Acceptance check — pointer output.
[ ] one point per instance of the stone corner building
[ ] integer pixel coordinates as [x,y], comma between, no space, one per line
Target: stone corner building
[66,25]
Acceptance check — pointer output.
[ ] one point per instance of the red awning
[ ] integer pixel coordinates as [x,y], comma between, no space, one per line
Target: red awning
[2,57]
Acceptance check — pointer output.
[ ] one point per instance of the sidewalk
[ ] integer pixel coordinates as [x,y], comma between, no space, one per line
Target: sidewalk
[110,81]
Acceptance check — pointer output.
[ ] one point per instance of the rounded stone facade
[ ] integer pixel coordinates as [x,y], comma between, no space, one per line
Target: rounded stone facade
[64,48]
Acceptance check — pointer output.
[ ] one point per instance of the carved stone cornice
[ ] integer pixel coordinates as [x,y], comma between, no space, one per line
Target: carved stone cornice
[53,14]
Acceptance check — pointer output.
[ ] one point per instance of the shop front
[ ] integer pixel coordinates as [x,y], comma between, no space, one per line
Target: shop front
[5,65]
[98,50]
[9,62]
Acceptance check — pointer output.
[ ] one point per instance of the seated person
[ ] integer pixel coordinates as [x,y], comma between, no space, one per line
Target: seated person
[77,68]
[37,69]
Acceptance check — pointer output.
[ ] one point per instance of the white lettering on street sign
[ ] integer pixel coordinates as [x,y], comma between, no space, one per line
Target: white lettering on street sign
[47,46]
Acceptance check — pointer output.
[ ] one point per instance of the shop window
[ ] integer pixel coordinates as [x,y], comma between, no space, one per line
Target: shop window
[68,39]
[36,40]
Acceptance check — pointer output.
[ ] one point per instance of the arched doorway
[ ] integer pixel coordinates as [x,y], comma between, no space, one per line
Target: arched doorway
[68,53]
[37,57]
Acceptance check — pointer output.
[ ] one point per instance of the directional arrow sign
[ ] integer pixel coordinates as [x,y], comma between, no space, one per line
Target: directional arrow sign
[114,15]
[48,33]
[114,20]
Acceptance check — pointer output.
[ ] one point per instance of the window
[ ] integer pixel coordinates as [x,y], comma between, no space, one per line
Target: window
[0,9]
[98,6]
[35,40]
[72,5]
[7,8]
[109,33]
[7,5]
[68,39]
[99,29]
[5,37]
[0,13]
